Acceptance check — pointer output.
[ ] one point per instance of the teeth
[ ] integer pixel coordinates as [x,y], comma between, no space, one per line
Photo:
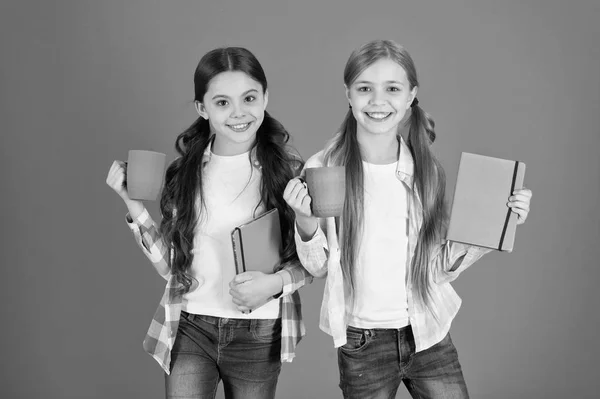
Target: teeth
[240,126]
[378,115]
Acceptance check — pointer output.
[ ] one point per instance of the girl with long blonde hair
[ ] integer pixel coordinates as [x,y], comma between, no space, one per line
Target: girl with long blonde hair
[388,302]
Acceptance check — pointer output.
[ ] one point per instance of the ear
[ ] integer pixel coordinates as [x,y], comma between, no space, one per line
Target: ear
[413,94]
[347,92]
[201,109]
[266,98]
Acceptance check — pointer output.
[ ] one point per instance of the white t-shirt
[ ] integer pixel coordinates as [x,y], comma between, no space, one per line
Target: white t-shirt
[380,299]
[231,187]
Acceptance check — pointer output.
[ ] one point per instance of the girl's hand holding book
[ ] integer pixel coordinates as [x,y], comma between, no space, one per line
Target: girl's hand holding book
[250,290]
[520,202]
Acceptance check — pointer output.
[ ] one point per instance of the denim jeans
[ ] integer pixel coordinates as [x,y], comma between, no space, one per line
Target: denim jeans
[244,353]
[374,362]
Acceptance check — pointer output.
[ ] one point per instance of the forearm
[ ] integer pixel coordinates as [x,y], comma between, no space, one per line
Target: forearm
[453,258]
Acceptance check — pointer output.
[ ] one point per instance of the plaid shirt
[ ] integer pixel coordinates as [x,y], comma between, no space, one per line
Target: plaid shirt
[321,257]
[163,328]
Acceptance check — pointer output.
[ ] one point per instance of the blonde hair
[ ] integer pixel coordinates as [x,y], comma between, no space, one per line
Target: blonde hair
[429,178]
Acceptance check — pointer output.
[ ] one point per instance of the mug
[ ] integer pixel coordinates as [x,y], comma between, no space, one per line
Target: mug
[327,188]
[145,170]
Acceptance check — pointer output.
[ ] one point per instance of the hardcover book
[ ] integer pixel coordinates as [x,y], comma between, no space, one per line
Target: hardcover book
[480,214]
[257,244]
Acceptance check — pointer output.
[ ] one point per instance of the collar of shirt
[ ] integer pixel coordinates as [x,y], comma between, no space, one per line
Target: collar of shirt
[406,167]
[208,153]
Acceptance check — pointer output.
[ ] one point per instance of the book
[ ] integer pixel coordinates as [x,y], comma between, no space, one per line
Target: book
[480,214]
[257,243]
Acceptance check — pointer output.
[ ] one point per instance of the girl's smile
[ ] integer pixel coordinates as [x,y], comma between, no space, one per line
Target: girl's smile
[240,127]
[378,116]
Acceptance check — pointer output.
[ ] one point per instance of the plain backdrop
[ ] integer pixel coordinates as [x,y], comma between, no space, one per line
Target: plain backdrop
[82,82]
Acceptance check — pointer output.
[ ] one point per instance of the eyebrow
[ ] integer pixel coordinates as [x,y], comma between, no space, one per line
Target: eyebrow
[243,94]
[387,81]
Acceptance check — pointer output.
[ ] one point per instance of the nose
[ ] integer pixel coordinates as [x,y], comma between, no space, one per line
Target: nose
[238,110]
[377,98]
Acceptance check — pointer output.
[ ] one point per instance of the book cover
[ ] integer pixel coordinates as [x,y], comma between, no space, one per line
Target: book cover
[480,215]
[257,244]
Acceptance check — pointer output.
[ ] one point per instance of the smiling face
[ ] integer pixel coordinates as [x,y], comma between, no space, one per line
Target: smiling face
[380,97]
[234,105]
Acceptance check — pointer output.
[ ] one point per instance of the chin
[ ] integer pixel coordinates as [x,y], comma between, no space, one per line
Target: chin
[244,137]
[381,129]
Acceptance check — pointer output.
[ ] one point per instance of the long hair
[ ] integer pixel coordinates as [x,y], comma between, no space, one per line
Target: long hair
[183,179]
[429,179]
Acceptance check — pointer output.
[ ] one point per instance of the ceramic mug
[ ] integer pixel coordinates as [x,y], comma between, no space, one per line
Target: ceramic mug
[327,188]
[145,172]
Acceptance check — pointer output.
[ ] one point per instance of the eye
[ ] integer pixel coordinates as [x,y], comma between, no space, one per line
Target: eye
[250,99]
[221,103]
[363,89]
[394,89]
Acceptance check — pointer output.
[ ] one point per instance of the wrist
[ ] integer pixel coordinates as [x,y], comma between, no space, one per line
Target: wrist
[134,207]
[307,226]
[277,285]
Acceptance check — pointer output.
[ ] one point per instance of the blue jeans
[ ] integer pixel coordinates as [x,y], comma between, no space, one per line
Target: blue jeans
[244,353]
[374,362]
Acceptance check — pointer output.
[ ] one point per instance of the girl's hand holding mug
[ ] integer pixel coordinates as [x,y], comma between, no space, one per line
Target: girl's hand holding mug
[296,196]
[117,179]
